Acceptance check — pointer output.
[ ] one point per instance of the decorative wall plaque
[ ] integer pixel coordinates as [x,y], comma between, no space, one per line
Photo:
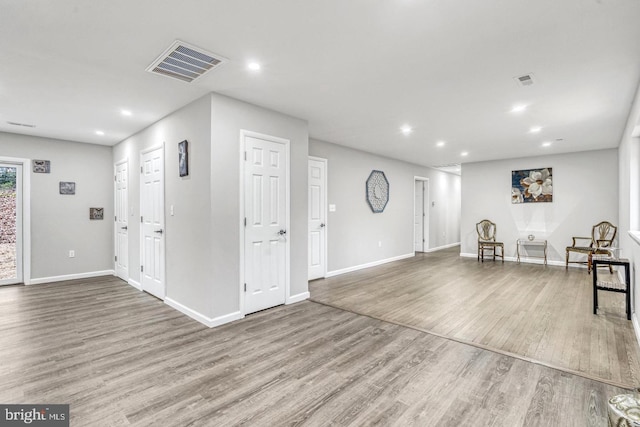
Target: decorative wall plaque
[377,191]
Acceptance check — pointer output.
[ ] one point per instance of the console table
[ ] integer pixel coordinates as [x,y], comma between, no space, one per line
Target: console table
[611,286]
[527,242]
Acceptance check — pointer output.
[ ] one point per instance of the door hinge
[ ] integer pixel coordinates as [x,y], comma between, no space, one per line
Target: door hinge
[245,156]
[115,178]
[140,169]
[115,258]
[245,221]
[141,219]
[115,218]
[245,287]
[141,269]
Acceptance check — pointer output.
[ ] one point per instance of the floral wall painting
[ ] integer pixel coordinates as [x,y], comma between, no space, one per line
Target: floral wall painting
[532,186]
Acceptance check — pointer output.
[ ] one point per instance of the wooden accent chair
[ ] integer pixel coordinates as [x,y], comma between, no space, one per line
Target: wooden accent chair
[487,240]
[602,236]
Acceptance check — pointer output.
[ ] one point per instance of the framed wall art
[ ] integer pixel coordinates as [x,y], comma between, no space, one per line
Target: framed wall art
[41,166]
[96,213]
[67,188]
[532,186]
[377,191]
[183,158]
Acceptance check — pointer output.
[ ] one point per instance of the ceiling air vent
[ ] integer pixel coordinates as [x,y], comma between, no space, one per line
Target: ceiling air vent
[526,80]
[185,62]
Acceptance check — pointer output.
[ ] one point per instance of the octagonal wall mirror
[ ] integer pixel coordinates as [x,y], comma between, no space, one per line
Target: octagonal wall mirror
[377,191]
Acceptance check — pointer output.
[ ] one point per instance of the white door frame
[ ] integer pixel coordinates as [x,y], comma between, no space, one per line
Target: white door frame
[141,234]
[115,230]
[243,134]
[325,184]
[26,214]
[426,203]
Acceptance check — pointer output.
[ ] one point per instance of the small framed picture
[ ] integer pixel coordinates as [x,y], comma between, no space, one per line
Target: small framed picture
[67,187]
[183,158]
[96,213]
[41,166]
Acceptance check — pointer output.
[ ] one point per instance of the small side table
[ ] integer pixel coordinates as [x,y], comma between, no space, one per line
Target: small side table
[527,242]
[602,285]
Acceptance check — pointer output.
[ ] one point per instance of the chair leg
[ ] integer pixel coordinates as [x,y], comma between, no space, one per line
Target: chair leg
[589,260]
[566,265]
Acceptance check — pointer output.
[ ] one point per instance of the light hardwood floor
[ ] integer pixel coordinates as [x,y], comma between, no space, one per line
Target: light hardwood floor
[540,313]
[120,357]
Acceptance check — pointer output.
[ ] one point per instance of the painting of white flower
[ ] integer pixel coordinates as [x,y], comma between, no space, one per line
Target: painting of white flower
[532,185]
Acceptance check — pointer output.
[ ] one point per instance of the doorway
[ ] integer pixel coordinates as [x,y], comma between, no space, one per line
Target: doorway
[265,219]
[152,232]
[11,236]
[317,211]
[121,246]
[421,214]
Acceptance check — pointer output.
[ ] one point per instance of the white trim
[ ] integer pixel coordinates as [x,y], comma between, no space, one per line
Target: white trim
[205,320]
[369,264]
[72,277]
[425,227]
[450,245]
[287,145]
[526,260]
[635,235]
[133,283]
[26,214]
[326,213]
[297,298]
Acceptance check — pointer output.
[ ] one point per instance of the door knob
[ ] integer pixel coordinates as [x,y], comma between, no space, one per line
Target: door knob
[282,232]
[322,225]
[158,231]
[124,228]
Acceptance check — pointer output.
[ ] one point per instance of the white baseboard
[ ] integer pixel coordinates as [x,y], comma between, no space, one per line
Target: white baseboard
[205,320]
[523,260]
[442,247]
[367,265]
[71,277]
[135,284]
[297,298]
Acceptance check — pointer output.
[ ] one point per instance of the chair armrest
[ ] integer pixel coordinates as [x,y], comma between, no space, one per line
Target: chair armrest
[581,238]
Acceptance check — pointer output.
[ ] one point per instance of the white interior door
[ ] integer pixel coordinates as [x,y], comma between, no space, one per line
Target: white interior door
[152,222]
[317,212]
[418,216]
[11,252]
[266,188]
[122,220]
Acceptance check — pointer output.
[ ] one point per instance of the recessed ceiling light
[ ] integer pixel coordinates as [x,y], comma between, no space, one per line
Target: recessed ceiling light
[440,143]
[546,144]
[464,153]
[126,112]
[518,108]
[254,66]
[99,132]
[406,129]
[535,129]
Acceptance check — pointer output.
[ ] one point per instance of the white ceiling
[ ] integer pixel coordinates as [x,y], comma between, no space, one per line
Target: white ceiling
[357,70]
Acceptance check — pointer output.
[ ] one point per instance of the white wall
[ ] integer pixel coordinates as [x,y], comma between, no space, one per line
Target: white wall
[354,230]
[629,201]
[585,192]
[60,223]
[203,236]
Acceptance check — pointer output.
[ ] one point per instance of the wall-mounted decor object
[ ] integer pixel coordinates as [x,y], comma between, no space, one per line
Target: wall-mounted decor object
[377,191]
[96,213]
[67,187]
[183,158]
[532,186]
[41,166]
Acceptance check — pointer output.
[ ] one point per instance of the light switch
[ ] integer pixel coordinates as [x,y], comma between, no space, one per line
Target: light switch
[171,210]
[332,208]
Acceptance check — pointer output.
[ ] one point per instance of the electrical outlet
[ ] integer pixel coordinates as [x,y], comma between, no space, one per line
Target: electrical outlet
[379,243]
[72,254]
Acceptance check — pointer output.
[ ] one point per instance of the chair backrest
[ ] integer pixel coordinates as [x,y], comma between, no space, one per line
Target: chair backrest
[486,230]
[603,234]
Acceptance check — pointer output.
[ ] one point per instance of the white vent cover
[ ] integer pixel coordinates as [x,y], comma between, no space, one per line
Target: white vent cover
[525,80]
[185,62]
